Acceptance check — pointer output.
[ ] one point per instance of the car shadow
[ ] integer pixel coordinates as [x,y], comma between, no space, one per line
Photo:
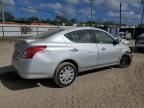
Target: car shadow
[10,79]
[94,71]
[135,50]
[140,51]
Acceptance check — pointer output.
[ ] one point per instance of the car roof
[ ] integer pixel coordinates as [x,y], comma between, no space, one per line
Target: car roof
[81,28]
[78,28]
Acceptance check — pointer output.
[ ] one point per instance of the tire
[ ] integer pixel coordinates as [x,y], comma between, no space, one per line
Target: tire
[125,61]
[65,74]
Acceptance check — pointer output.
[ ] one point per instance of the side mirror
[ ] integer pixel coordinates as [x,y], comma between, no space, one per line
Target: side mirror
[117,41]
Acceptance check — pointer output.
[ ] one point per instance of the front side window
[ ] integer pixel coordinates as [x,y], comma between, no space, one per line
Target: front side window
[102,37]
[80,36]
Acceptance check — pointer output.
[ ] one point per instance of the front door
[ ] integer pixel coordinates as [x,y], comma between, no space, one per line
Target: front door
[108,52]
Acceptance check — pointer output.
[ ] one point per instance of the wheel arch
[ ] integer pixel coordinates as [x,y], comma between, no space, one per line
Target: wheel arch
[71,61]
[127,55]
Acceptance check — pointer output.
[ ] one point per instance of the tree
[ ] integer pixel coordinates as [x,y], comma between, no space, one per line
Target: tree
[9,16]
[31,19]
[20,20]
[73,20]
[60,20]
[44,20]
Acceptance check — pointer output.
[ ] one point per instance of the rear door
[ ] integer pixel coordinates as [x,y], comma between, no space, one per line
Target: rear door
[83,49]
[108,52]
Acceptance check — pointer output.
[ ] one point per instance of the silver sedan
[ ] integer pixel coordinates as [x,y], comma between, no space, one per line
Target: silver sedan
[61,54]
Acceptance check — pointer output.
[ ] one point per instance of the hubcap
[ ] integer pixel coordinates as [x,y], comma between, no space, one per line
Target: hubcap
[66,74]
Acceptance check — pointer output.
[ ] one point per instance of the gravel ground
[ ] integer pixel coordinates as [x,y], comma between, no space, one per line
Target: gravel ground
[102,88]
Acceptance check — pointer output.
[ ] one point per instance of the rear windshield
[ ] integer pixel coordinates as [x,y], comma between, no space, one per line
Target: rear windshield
[47,34]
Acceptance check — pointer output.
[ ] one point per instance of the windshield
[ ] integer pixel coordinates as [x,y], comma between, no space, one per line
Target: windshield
[47,34]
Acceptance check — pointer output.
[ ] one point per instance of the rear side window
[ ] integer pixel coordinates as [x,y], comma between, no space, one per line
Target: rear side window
[80,36]
[102,37]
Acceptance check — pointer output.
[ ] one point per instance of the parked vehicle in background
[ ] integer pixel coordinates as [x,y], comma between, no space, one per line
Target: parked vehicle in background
[139,42]
[122,35]
[62,54]
[125,35]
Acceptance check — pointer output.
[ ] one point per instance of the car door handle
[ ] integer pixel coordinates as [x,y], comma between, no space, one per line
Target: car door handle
[103,48]
[74,50]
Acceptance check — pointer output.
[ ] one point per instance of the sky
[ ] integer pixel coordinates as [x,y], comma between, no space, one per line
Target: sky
[103,10]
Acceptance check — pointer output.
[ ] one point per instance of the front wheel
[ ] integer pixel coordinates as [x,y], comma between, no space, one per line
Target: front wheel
[65,74]
[125,61]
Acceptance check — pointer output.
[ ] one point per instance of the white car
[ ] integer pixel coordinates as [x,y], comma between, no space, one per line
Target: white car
[62,54]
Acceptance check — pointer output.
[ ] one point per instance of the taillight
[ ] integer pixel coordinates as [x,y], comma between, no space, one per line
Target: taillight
[31,51]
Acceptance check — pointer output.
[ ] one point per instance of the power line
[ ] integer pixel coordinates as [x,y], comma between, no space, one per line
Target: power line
[36,9]
[25,7]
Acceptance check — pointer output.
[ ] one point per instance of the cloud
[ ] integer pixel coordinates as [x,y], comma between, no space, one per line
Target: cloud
[129,9]
[131,15]
[86,1]
[127,16]
[113,14]
[9,1]
[59,13]
[30,10]
[26,2]
[133,3]
[108,8]
[72,1]
[115,4]
[55,6]
[112,4]
[69,11]
[86,12]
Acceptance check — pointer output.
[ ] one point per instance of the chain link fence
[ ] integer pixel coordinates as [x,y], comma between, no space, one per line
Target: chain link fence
[12,30]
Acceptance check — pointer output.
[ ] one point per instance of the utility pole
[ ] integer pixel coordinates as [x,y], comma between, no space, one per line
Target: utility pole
[3,16]
[142,15]
[2,11]
[91,3]
[120,14]
[142,2]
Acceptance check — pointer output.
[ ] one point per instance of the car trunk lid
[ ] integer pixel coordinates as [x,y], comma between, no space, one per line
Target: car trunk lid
[20,46]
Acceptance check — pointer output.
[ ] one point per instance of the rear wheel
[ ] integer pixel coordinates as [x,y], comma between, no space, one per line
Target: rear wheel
[125,61]
[65,74]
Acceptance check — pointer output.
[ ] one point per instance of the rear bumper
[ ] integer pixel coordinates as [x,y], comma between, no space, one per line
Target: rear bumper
[31,69]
